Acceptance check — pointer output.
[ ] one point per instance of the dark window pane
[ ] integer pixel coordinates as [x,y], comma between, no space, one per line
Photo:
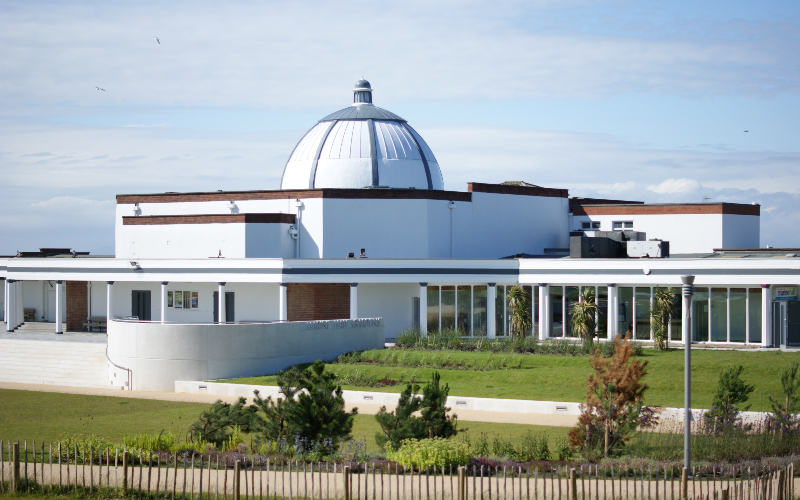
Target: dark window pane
[463,309]
[433,309]
[738,315]
[643,313]
[556,296]
[755,315]
[479,311]
[625,313]
[448,307]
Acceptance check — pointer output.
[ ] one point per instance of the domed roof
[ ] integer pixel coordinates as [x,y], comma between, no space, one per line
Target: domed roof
[362,146]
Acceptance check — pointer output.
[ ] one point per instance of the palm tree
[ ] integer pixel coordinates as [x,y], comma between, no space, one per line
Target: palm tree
[519,302]
[660,316]
[582,318]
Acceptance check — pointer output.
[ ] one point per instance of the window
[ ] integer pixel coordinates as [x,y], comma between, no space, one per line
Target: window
[181,299]
[620,225]
[590,226]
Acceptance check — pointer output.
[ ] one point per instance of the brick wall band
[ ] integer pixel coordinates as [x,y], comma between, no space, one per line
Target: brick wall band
[668,209]
[317,301]
[77,304]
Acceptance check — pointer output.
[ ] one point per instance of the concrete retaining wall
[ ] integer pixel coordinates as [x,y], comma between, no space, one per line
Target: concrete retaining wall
[161,354]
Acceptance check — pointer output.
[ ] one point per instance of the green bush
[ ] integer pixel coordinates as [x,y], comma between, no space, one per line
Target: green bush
[148,443]
[422,453]
[83,443]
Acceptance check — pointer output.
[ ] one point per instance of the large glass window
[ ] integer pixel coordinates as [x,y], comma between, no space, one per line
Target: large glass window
[700,314]
[719,314]
[755,315]
[625,313]
[643,313]
[433,309]
[572,296]
[676,321]
[463,309]
[738,315]
[557,316]
[448,307]
[529,293]
[500,311]
[479,311]
[602,312]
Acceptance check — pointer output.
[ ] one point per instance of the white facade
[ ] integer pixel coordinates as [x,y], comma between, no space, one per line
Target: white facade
[687,233]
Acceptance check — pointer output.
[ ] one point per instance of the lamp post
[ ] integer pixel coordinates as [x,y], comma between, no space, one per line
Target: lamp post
[686,327]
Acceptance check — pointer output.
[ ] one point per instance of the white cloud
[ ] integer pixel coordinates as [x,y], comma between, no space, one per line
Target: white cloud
[67,202]
[676,186]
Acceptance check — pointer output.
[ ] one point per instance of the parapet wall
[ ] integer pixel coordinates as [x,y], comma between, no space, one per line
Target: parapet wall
[160,354]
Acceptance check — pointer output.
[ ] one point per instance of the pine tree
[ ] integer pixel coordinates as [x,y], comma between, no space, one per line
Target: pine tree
[218,422]
[614,410]
[403,424]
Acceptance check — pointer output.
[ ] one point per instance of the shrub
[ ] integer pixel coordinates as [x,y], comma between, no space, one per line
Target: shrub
[69,442]
[422,453]
[660,315]
[402,424]
[731,393]
[148,443]
[217,424]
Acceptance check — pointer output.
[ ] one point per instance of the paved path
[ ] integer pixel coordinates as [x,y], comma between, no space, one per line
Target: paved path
[365,409]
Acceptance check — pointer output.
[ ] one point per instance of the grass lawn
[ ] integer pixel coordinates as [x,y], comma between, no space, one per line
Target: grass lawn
[44,416]
[562,378]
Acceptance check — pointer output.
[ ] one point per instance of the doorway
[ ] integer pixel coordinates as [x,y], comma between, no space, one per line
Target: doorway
[793,323]
[140,306]
[229,307]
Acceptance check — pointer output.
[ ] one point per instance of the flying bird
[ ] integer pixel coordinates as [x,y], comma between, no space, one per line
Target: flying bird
[157,40]
[98,88]
[747,131]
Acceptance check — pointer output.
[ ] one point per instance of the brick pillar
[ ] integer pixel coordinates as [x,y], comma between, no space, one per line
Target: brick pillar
[77,305]
[317,301]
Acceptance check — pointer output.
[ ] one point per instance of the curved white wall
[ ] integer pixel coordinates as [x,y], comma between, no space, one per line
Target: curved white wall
[159,355]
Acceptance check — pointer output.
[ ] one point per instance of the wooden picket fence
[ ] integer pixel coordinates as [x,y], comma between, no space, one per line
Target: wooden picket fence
[178,475]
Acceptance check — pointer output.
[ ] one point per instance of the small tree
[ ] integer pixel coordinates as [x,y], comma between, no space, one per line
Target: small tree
[403,424]
[317,413]
[583,316]
[614,410]
[731,393]
[660,316]
[274,423]
[519,302]
[217,423]
[785,410]
[311,410]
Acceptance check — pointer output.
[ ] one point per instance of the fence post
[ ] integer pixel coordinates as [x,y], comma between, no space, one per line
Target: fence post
[462,479]
[573,485]
[124,472]
[685,483]
[781,484]
[14,486]
[346,474]
[236,479]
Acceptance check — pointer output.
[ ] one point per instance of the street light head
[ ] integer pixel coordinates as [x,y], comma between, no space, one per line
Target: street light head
[687,280]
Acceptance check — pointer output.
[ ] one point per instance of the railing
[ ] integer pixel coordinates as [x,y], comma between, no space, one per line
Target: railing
[173,475]
[129,383]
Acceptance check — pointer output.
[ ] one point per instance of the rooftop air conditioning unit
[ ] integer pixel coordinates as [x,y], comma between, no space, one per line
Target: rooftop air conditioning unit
[651,249]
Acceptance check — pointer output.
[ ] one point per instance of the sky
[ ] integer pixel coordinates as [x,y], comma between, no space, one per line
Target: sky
[678,101]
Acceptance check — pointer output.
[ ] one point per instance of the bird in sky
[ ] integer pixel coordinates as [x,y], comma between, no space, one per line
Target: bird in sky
[157,40]
[747,131]
[98,88]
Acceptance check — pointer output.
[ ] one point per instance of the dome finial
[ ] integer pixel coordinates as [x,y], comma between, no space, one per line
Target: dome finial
[362,92]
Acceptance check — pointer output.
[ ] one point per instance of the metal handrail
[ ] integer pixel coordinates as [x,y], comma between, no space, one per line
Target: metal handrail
[129,383]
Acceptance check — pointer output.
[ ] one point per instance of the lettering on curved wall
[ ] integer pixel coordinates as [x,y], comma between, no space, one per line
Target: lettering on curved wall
[343,323]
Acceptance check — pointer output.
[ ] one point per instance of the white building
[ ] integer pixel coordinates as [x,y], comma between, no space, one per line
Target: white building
[362,228]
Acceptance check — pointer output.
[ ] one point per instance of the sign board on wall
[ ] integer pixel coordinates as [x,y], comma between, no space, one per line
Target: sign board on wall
[786,293]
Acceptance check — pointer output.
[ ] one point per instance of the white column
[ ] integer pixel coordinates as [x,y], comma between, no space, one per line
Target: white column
[491,321]
[423,308]
[353,300]
[611,315]
[10,304]
[164,301]
[5,300]
[221,302]
[283,314]
[542,311]
[766,317]
[59,307]
[109,302]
